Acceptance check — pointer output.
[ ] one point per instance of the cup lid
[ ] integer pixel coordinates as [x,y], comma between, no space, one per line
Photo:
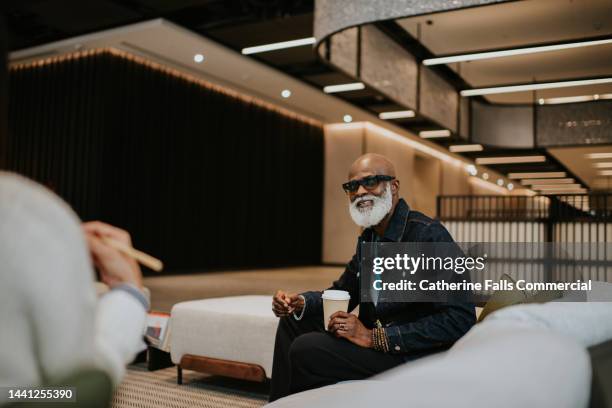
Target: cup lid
[336,295]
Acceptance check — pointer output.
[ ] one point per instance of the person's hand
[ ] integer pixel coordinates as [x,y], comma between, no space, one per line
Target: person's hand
[283,304]
[348,326]
[114,266]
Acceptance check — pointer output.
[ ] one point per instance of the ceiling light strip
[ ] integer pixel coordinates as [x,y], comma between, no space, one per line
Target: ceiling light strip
[516,51]
[354,86]
[573,99]
[563,192]
[600,155]
[547,181]
[396,114]
[556,186]
[534,87]
[510,160]
[278,46]
[532,175]
[466,148]
[431,134]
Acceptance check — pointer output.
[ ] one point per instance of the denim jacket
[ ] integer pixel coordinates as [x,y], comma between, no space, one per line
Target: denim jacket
[413,329]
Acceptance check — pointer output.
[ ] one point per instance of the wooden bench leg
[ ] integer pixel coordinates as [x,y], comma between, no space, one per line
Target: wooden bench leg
[179,375]
[225,368]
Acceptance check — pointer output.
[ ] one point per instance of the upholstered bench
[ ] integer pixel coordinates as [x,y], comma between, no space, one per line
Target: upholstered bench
[229,336]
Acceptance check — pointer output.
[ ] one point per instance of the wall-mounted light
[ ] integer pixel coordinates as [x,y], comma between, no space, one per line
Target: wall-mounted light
[285,93]
[510,160]
[516,51]
[487,185]
[534,87]
[354,86]
[465,148]
[431,134]
[396,114]
[198,58]
[278,45]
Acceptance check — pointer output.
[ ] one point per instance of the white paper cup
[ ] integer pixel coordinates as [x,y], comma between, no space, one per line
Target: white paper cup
[334,301]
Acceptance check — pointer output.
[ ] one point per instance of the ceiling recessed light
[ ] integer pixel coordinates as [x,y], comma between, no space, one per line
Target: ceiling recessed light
[198,58]
[472,169]
[353,86]
[510,160]
[278,45]
[396,114]
[510,186]
[485,176]
[430,134]
[541,101]
[544,174]
[500,182]
[534,87]
[347,118]
[285,93]
[602,155]
[465,148]
[516,51]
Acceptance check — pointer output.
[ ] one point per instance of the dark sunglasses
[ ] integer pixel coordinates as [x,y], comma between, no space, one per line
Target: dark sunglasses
[369,182]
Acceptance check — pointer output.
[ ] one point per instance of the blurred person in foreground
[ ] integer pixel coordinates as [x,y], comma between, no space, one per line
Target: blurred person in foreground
[306,357]
[51,322]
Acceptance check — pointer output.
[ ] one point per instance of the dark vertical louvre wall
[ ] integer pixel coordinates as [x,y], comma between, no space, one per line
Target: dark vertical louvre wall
[200,178]
[3,93]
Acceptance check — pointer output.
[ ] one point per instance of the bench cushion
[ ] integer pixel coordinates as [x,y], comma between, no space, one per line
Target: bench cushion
[237,328]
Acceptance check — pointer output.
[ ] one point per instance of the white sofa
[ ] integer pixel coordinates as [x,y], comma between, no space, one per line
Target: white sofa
[522,356]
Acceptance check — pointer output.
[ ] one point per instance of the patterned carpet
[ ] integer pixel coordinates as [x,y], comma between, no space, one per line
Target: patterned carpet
[158,389]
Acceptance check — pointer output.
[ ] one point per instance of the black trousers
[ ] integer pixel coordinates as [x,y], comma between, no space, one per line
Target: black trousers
[306,357]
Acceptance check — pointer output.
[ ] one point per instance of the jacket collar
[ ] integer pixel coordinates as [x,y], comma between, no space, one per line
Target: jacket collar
[397,225]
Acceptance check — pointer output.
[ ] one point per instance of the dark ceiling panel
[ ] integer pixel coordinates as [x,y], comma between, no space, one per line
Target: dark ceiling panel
[264,32]
[297,55]
[75,16]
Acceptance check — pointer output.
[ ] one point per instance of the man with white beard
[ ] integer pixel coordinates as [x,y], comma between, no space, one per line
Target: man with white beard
[385,334]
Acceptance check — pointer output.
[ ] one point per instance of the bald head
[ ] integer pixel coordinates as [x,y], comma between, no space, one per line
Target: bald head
[369,164]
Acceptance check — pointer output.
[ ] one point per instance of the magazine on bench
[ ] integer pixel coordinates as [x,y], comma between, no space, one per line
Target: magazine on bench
[157,330]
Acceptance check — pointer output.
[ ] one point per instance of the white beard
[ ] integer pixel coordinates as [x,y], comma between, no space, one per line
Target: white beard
[370,216]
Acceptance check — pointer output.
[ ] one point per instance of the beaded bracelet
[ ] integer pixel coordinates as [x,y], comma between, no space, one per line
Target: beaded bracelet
[380,340]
